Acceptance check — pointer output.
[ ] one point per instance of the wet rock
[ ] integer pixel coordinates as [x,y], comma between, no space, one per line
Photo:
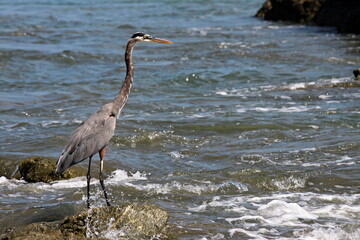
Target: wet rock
[357,74]
[132,221]
[342,14]
[128,222]
[43,231]
[42,169]
[302,11]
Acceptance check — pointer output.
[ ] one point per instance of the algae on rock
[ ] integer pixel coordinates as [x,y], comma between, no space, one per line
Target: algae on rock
[42,169]
[128,222]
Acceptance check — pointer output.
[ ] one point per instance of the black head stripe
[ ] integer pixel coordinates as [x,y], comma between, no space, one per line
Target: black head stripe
[138,34]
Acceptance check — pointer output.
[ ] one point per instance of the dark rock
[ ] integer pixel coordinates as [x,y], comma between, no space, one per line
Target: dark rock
[43,231]
[302,11]
[357,74]
[42,169]
[128,222]
[342,14]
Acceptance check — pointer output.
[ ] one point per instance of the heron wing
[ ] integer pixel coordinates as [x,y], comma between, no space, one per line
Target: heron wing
[88,138]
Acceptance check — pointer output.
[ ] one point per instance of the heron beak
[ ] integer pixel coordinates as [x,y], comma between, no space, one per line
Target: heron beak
[159,40]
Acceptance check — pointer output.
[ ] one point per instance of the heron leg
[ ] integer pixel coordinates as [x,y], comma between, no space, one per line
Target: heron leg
[88,177]
[101,176]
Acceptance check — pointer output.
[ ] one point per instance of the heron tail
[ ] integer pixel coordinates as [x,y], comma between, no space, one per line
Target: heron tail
[63,163]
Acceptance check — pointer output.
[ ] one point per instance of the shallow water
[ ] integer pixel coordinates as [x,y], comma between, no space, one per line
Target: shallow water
[241,129]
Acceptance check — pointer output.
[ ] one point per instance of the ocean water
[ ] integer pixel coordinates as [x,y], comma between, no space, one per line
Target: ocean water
[241,129]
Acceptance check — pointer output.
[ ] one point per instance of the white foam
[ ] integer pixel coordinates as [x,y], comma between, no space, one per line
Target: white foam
[3,180]
[49,123]
[176,155]
[117,177]
[284,97]
[329,233]
[120,176]
[335,59]
[282,213]
[11,183]
[291,182]
[297,86]
[234,44]
[303,150]
[286,109]
[174,186]
[200,115]
[306,215]
[337,80]
[345,160]
[223,93]
[200,208]
[78,182]
[326,96]
[319,83]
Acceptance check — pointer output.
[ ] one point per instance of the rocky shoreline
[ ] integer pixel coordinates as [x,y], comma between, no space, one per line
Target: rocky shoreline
[119,222]
[342,14]
[131,221]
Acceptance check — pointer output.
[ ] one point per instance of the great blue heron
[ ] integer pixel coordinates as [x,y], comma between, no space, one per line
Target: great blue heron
[93,135]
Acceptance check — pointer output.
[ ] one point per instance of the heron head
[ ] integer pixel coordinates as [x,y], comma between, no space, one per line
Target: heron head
[142,37]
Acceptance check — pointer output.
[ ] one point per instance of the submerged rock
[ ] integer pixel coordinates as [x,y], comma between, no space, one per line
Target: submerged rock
[42,169]
[128,222]
[344,15]
[357,74]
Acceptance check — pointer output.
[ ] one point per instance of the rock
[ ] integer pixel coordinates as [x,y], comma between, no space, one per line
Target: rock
[34,231]
[342,14]
[134,221]
[302,11]
[128,222]
[42,169]
[357,74]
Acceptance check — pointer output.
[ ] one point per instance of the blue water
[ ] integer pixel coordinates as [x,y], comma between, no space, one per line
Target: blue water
[241,129]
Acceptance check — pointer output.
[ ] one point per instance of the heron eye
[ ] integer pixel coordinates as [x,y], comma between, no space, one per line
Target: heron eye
[147,36]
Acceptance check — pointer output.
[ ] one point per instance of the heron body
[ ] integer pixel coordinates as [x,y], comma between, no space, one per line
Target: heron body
[89,138]
[93,135]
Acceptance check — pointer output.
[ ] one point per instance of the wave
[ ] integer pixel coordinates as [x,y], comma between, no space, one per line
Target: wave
[344,82]
[302,215]
[176,187]
[69,57]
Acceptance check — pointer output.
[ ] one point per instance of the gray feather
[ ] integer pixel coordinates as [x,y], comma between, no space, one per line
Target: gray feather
[89,138]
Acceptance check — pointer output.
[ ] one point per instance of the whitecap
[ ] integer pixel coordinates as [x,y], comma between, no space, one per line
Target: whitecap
[176,155]
[120,176]
[291,182]
[329,232]
[223,93]
[11,183]
[175,186]
[283,109]
[200,208]
[282,213]
[199,115]
[325,96]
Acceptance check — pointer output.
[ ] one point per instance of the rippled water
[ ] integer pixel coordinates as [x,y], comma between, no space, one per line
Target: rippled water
[241,129]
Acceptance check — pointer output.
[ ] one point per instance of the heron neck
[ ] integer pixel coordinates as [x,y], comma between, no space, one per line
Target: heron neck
[121,98]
